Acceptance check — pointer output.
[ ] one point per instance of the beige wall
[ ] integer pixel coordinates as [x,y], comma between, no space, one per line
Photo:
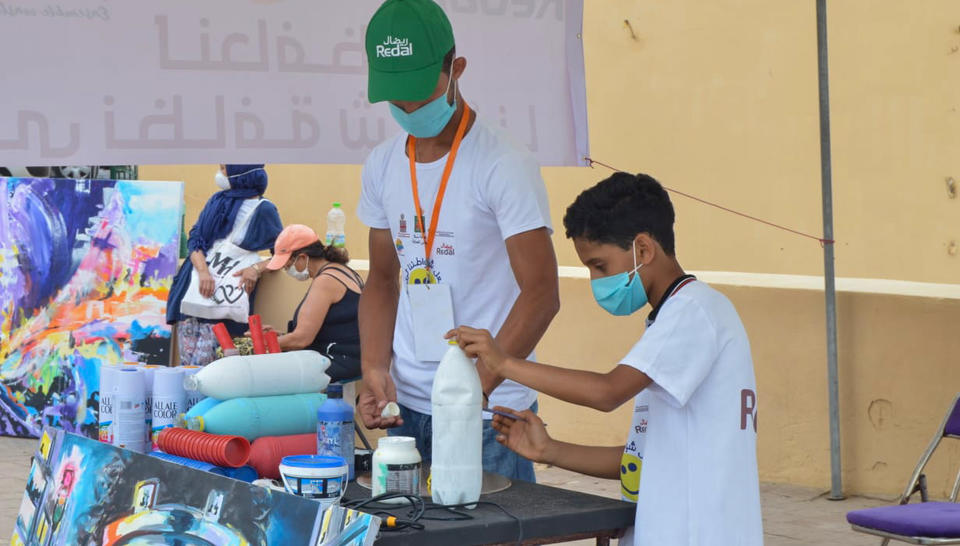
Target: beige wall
[719,99]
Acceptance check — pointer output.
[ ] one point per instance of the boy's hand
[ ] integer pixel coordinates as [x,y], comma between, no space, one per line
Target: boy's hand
[480,344]
[526,435]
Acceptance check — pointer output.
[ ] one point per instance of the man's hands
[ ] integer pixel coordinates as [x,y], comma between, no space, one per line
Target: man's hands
[378,389]
[525,435]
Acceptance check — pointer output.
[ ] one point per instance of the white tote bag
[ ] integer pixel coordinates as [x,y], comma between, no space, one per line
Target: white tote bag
[224,260]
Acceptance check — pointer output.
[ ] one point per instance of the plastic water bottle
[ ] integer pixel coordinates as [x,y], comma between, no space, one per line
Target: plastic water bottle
[335,427]
[457,470]
[336,225]
[261,416]
[294,372]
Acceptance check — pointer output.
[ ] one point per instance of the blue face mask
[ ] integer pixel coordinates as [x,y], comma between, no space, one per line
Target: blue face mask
[428,120]
[621,294]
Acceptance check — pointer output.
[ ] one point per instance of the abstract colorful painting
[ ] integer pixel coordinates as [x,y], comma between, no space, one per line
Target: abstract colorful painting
[82,491]
[85,270]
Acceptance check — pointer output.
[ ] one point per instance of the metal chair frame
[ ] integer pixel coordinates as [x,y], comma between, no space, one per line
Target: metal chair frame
[917,483]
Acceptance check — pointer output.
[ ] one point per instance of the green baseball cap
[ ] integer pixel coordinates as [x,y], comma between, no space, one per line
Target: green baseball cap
[406,43]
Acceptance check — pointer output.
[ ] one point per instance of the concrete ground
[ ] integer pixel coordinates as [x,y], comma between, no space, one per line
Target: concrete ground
[792,516]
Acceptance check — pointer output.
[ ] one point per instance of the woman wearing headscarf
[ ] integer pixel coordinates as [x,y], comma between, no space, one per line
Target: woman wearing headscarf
[241,197]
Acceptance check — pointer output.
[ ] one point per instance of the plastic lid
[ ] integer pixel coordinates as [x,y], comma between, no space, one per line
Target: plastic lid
[314,461]
[392,409]
[334,390]
[336,205]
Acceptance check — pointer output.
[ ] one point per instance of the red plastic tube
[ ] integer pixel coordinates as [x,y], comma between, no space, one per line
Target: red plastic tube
[267,452]
[223,336]
[232,451]
[273,342]
[256,334]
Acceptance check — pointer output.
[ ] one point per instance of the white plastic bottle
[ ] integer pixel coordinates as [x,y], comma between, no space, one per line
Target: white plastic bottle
[457,466]
[274,374]
[336,226]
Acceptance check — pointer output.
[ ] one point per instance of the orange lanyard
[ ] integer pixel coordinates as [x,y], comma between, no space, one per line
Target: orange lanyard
[438,202]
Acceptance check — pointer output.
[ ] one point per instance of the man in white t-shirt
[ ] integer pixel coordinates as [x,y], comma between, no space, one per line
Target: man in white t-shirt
[690,374]
[459,213]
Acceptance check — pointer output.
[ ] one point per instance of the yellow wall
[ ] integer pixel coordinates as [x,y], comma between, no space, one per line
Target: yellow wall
[719,99]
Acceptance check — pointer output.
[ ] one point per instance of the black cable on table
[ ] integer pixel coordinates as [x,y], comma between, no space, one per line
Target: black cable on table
[418,512]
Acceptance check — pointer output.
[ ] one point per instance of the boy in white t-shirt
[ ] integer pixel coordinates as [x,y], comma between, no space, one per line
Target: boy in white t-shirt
[691,375]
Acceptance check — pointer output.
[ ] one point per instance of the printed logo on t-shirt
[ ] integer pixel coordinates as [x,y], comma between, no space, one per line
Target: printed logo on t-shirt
[748,408]
[399,244]
[403,225]
[417,272]
[445,250]
[631,463]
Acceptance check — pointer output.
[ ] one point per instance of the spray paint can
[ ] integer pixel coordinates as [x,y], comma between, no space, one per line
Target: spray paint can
[148,372]
[106,414]
[129,409]
[169,399]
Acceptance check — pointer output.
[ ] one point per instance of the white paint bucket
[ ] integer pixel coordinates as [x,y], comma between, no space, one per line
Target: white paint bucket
[318,477]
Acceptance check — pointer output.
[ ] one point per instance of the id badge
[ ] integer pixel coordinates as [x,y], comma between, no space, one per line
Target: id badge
[432,308]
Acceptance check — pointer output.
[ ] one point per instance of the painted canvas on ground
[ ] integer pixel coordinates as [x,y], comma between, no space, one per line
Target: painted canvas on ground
[85,270]
[94,493]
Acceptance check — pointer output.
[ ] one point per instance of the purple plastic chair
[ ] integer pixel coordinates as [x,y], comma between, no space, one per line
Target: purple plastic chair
[923,523]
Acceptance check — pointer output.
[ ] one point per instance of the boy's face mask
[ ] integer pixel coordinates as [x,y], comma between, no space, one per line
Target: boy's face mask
[621,294]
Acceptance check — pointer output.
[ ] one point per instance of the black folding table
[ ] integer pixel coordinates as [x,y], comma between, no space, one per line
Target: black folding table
[547,515]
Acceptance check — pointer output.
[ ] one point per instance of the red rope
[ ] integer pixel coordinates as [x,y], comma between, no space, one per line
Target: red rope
[822,241]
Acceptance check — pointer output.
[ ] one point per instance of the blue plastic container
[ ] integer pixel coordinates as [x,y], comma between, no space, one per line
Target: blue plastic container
[335,427]
[317,477]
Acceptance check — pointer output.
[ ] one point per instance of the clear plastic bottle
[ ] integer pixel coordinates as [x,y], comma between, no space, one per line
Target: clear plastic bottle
[335,427]
[336,226]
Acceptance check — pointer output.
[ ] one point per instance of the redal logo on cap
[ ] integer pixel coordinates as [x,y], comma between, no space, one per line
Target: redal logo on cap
[395,47]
